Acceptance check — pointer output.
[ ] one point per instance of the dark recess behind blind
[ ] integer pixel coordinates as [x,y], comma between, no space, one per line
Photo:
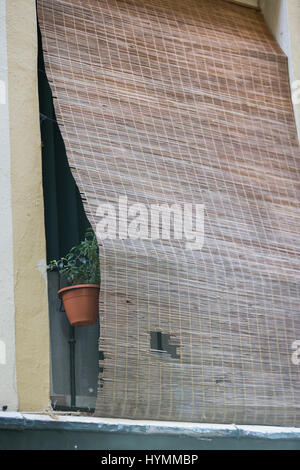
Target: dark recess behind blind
[73,375]
[65,219]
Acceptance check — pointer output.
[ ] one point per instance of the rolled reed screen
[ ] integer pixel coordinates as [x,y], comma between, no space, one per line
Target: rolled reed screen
[185,102]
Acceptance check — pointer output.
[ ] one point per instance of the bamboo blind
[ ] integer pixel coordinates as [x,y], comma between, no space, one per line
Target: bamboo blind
[186,101]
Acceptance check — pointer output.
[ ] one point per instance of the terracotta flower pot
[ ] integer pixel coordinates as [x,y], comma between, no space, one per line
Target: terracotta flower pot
[81,303]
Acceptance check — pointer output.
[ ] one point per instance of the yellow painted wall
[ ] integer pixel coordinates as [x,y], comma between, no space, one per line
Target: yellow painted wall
[8,383]
[29,252]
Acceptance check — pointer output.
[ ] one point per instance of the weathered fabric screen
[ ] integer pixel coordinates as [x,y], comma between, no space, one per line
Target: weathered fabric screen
[176,102]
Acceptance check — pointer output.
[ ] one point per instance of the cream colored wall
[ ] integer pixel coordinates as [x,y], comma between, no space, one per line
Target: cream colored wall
[283,19]
[293,7]
[253,3]
[275,13]
[30,284]
[250,3]
[8,386]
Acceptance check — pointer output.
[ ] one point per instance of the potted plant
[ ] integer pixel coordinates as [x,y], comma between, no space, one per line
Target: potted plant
[80,268]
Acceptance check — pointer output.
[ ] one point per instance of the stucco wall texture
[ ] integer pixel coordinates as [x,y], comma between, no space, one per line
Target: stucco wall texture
[30,284]
[8,388]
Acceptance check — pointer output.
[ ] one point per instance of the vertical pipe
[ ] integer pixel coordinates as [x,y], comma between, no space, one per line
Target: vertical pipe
[72,342]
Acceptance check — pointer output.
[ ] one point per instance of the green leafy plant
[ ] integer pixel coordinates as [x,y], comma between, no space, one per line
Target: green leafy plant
[81,264]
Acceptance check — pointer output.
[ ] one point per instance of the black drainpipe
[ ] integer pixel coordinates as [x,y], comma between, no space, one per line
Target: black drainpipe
[72,342]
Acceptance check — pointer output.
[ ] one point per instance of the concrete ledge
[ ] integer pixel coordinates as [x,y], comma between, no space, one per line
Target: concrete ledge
[33,421]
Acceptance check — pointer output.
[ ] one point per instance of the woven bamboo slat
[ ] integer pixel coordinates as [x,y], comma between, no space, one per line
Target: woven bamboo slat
[186,101]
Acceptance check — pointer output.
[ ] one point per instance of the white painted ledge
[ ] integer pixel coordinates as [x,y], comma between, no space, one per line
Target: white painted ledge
[61,421]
